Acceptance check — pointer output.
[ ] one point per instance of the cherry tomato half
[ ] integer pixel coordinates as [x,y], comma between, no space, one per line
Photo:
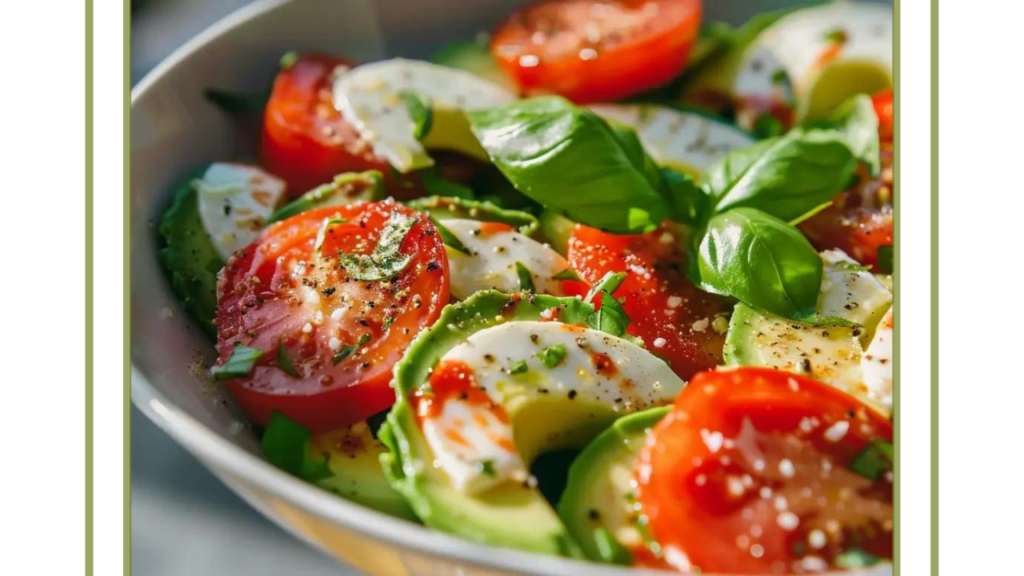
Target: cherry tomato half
[752,472]
[341,335]
[596,50]
[306,140]
[675,319]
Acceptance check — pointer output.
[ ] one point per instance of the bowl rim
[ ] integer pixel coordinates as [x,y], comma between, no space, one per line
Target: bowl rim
[210,447]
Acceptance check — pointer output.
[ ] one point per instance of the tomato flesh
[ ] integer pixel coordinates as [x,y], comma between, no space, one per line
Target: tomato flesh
[750,474]
[675,319]
[596,50]
[280,293]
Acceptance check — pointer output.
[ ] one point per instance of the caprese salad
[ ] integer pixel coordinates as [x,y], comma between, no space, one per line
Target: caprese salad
[612,283]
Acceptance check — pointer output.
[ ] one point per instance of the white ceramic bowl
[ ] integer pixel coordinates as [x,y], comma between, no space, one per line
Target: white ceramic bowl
[174,131]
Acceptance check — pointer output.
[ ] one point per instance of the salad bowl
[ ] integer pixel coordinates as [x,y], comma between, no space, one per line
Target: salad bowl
[174,131]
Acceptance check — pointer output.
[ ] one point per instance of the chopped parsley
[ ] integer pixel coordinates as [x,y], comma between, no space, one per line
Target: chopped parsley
[610,318]
[567,274]
[875,459]
[609,283]
[525,278]
[487,468]
[240,363]
[284,362]
[552,355]
[386,261]
[518,367]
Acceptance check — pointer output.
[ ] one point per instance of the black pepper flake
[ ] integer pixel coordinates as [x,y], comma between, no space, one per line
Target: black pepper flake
[572,394]
[593,514]
[433,266]
[329,291]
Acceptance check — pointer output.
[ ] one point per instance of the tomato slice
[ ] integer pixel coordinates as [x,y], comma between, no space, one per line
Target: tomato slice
[281,294]
[675,319]
[882,102]
[306,141]
[751,473]
[596,50]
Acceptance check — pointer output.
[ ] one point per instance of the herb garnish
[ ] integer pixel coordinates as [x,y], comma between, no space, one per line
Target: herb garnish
[610,318]
[567,274]
[552,355]
[609,283]
[321,235]
[525,278]
[284,362]
[386,261]
[240,363]
[518,367]
[875,459]
[450,240]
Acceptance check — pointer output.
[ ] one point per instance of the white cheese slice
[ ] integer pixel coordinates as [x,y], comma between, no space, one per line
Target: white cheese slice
[876,364]
[491,261]
[852,293]
[465,436]
[370,97]
[235,202]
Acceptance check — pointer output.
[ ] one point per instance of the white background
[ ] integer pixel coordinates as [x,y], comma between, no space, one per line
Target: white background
[42,151]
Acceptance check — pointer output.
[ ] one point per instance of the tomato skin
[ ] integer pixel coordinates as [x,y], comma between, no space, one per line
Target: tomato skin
[279,293]
[758,457]
[882,102]
[675,319]
[592,51]
[306,141]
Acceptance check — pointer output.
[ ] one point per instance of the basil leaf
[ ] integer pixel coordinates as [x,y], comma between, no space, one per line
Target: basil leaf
[285,443]
[759,260]
[240,363]
[284,362]
[610,318]
[552,355]
[785,177]
[886,259]
[386,261]
[236,102]
[421,113]
[450,240]
[571,161]
[443,208]
[525,278]
[688,203]
[875,459]
[437,185]
[609,283]
[857,121]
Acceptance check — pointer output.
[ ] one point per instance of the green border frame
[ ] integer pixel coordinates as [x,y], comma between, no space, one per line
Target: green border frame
[935,287]
[88,288]
[126,17]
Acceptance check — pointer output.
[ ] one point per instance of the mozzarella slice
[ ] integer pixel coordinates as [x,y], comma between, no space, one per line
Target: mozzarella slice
[235,202]
[494,249]
[598,371]
[370,97]
[876,365]
[683,140]
[850,292]
[801,47]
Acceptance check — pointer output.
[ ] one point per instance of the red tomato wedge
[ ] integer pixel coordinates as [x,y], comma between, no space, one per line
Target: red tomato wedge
[752,473]
[306,140]
[884,109]
[596,50]
[675,319]
[340,334]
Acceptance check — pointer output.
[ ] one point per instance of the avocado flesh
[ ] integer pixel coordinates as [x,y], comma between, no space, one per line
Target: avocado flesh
[189,258]
[597,503]
[449,208]
[344,189]
[353,460]
[510,515]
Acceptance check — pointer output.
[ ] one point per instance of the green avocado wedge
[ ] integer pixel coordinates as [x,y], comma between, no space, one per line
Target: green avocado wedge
[189,258]
[346,188]
[447,208]
[512,515]
[597,506]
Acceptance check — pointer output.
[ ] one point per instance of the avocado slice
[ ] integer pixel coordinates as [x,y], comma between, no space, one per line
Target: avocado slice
[347,188]
[345,462]
[449,208]
[597,506]
[189,258]
[505,513]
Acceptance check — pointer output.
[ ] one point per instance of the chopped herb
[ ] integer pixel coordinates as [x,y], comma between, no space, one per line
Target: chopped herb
[856,558]
[610,318]
[487,468]
[552,355]
[322,234]
[837,36]
[609,283]
[388,321]
[239,364]
[567,274]
[845,266]
[284,362]
[288,60]
[450,240]
[386,261]
[877,457]
[886,259]
[236,102]
[525,278]
[779,77]
[518,367]
[286,444]
[345,352]
[768,126]
[364,338]
[420,112]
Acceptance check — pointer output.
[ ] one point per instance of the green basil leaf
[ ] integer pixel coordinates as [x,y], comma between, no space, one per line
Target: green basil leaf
[444,208]
[421,113]
[240,363]
[285,443]
[450,240]
[437,185]
[886,259]
[567,274]
[284,362]
[321,235]
[856,558]
[487,468]
[875,459]
[785,177]
[688,203]
[759,260]
[857,121]
[525,278]
[571,161]
[609,283]
[345,189]
[610,318]
[236,102]
[386,261]
[552,355]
